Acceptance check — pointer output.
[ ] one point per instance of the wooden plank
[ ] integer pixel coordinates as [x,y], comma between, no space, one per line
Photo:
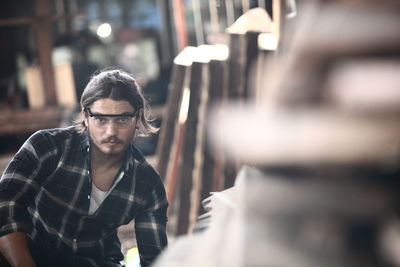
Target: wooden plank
[252,51]
[242,64]
[236,65]
[214,18]
[212,178]
[235,90]
[180,24]
[173,129]
[25,121]
[171,181]
[30,20]
[166,33]
[230,12]
[34,87]
[265,61]
[170,118]
[16,21]
[64,78]
[189,149]
[278,16]
[198,22]
[43,36]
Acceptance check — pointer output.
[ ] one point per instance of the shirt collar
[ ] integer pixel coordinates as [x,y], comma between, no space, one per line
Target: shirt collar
[84,141]
[129,159]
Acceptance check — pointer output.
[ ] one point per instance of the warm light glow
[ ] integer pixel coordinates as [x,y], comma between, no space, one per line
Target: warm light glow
[212,52]
[184,105]
[185,57]
[268,41]
[104,30]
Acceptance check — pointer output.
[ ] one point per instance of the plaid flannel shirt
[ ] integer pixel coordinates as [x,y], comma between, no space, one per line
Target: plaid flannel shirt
[45,192]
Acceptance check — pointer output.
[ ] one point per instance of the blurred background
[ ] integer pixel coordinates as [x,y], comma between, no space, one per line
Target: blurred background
[279,119]
[49,50]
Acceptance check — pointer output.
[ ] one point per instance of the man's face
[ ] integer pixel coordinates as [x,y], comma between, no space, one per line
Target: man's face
[110,135]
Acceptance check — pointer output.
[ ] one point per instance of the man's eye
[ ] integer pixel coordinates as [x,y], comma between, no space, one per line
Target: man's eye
[100,119]
[122,120]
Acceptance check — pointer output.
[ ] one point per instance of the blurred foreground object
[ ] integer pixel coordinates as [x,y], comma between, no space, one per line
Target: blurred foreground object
[254,20]
[205,76]
[331,95]
[291,219]
[322,137]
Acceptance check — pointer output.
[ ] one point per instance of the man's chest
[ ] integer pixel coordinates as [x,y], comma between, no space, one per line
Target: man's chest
[69,188]
[103,178]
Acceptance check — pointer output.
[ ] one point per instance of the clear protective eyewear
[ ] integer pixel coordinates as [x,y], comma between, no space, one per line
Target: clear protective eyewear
[123,120]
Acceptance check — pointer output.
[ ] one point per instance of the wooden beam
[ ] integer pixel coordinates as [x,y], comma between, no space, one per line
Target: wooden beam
[278,16]
[30,20]
[198,23]
[25,121]
[230,12]
[180,24]
[170,118]
[236,66]
[44,41]
[252,52]
[214,18]
[166,33]
[190,143]
[16,21]
[212,178]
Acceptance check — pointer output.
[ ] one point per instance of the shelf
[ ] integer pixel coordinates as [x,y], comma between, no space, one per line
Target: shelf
[30,120]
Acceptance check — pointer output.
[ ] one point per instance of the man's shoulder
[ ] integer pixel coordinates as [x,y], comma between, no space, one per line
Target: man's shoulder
[145,169]
[55,135]
[66,131]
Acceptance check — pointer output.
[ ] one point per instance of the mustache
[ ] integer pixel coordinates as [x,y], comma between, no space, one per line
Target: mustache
[111,139]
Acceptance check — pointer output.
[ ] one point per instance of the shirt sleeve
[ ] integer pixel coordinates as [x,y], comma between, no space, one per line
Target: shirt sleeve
[21,181]
[150,226]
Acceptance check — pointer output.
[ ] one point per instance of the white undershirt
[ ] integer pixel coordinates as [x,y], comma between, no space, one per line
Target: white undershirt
[96,198]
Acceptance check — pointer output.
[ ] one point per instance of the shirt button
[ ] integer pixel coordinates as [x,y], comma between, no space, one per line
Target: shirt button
[88,197]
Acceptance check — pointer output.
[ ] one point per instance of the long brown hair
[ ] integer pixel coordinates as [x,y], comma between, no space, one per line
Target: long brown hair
[116,84]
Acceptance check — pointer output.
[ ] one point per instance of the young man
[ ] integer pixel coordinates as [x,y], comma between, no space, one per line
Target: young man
[66,191]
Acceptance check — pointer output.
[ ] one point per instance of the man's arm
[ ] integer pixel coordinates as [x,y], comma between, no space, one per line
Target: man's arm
[18,187]
[14,248]
[150,226]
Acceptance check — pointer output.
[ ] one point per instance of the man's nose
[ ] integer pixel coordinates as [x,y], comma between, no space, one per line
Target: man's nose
[111,128]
